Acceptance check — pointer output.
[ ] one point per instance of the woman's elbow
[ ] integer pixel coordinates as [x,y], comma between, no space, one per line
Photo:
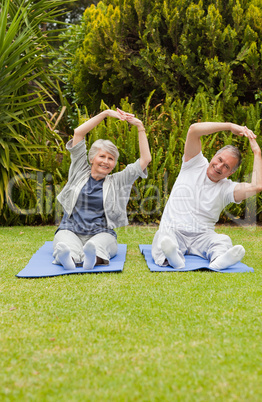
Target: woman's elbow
[148,159]
[144,162]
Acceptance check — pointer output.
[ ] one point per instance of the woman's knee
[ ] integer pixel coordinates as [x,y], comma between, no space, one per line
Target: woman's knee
[106,245]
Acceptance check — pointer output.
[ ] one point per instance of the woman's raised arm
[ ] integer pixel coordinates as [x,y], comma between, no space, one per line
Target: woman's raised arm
[145,156]
[81,131]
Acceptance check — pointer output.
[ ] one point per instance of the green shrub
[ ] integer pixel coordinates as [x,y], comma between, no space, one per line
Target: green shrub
[173,47]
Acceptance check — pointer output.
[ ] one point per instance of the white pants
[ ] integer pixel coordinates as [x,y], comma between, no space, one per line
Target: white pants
[207,245]
[105,243]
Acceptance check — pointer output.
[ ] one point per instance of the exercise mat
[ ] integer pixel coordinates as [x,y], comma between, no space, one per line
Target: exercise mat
[192,263]
[40,265]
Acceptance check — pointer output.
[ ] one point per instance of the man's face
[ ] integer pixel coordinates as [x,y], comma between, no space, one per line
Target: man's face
[221,166]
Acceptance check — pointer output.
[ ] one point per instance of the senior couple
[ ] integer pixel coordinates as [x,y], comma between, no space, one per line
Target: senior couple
[94,201]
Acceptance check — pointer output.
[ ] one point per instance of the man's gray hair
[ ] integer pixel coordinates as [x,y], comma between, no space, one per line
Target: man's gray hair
[234,152]
[104,145]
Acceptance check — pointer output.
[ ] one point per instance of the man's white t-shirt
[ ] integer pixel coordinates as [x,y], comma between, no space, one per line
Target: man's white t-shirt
[195,202]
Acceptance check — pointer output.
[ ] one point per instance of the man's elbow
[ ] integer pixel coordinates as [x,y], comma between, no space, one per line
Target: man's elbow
[192,128]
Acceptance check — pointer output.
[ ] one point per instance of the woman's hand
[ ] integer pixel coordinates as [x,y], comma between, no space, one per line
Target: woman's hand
[130,118]
[114,113]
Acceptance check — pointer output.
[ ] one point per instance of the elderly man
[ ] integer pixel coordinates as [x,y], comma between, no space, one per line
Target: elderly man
[202,190]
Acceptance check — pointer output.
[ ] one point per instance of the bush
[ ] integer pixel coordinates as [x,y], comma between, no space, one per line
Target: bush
[173,47]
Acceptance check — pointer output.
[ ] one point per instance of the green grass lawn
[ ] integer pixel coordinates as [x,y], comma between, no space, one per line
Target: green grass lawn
[131,336]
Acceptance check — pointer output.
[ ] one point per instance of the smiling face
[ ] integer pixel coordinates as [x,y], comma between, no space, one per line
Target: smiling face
[102,164]
[221,166]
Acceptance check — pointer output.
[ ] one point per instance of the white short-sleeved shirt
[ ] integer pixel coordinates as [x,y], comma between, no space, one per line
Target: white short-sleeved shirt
[195,202]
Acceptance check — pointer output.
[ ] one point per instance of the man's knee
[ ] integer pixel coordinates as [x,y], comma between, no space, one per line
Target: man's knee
[219,244]
[222,239]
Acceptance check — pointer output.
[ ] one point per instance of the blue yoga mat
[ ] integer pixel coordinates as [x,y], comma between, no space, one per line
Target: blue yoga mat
[40,265]
[192,263]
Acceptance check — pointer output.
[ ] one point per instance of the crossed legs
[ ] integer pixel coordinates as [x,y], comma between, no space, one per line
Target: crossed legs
[170,248]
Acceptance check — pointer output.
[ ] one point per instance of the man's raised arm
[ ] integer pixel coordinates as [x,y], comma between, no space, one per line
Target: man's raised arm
[243,191]
[196,130]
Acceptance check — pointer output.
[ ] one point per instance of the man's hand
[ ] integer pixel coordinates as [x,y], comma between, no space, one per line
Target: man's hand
[242,131]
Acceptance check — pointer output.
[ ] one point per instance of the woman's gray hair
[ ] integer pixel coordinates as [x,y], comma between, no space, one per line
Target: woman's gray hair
[234,152]
[105,145]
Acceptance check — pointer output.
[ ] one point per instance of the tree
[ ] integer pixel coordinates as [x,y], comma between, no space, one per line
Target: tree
[174,46]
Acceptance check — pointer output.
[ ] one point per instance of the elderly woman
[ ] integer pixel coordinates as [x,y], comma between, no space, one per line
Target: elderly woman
[94,201]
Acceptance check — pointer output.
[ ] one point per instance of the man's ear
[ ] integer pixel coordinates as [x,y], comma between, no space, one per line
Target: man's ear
[232,172]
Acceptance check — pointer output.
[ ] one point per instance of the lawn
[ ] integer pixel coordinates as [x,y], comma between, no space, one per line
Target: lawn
[130,336]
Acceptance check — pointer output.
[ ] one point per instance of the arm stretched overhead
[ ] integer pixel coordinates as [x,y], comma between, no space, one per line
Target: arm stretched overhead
[81,131]
[197,130]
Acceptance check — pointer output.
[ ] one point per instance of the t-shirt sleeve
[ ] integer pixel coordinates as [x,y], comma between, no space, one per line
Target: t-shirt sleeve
[229,192]
[78,157]
[131,172]
[199,160]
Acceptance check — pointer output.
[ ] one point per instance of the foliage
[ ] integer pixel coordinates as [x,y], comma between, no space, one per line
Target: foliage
[166,126]
[60,64]
[133,336]
[71,13]
[173,47]
[33,200]
[26,87]
[177,62]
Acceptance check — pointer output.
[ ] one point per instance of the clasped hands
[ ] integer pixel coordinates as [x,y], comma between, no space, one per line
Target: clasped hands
[125,116]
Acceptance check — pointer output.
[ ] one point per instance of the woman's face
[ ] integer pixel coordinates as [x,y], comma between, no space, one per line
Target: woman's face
[102,164]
